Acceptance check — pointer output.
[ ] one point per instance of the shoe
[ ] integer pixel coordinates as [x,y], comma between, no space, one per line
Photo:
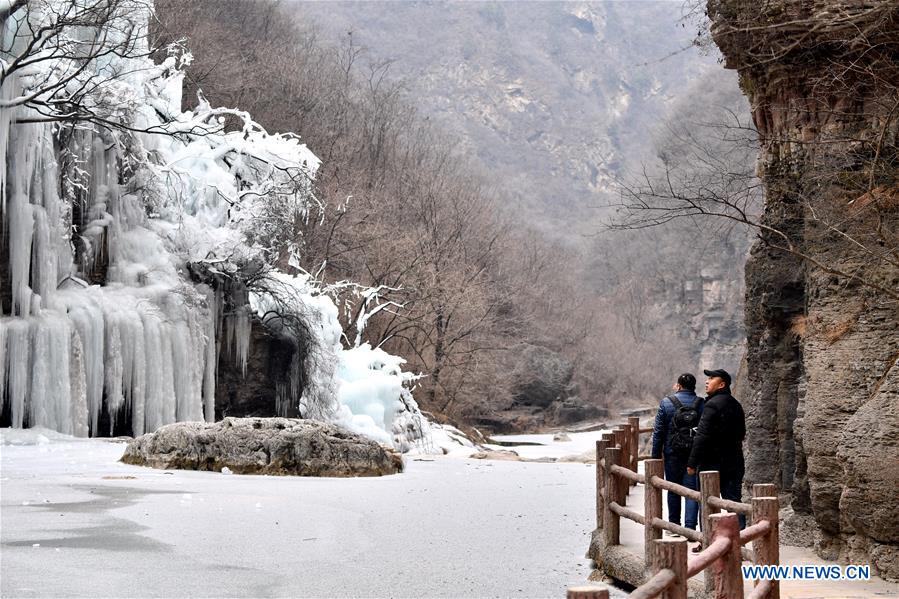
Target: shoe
[697,549]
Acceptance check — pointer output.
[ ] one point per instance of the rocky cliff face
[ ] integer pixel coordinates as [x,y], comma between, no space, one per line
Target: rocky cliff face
[710,306]
[822,319]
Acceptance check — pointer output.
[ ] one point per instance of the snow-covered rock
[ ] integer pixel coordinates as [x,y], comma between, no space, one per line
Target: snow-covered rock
[282,446]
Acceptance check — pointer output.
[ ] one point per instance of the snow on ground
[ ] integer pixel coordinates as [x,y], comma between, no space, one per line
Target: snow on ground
[76,523]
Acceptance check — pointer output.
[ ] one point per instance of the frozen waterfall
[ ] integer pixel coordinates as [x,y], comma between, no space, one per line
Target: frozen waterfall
[124,240]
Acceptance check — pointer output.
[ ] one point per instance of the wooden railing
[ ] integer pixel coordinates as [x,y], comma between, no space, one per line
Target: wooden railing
[723,543]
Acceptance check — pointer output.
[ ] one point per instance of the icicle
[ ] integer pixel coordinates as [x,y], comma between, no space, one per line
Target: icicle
[139,377]
[18,356]
[125,331]
[49,401]
[4,148]
[196,320]
[283,401]
[168,375]
[115,398]
[181,373]
[209,355]
[79,414]
[60,338]
[21,227]
[59,215]
[87,318]
[9,90]
[43,260]
[4,402]
[237,336]
[153,411]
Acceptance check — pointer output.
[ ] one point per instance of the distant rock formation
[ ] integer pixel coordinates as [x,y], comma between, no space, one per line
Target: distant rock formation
[822,395]
[281,446]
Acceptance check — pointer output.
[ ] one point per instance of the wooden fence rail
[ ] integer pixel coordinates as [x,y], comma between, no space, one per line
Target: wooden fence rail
[666,560]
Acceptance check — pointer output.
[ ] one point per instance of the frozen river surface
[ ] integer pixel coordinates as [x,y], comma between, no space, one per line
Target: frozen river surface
[76,523]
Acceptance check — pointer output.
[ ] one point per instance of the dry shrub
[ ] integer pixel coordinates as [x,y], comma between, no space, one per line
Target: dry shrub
[884,198]
[799,326]
[840,329]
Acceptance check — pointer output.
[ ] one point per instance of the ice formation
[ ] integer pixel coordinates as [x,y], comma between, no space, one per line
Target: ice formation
[140,244]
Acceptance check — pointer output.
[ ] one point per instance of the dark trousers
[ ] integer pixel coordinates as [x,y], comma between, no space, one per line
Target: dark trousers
[676,472]
[732,488]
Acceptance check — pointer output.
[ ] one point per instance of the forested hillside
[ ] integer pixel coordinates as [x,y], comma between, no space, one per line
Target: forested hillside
[474,236]
[556,99]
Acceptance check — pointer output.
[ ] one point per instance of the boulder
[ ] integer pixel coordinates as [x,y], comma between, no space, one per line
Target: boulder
[280,446]
[573,409]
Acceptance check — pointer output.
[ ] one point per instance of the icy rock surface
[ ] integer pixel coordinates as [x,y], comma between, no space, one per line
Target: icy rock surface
[282,446]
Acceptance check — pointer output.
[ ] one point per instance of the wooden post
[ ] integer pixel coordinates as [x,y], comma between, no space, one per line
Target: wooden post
[600,480]
[608,438]
[628,444]
[618,431]
[626,457]
[767,548]
[764,490]
[587,592]
[610,524]
[727,574]
[671,554]
[634,421]
[621,442]
[652,505]
[709,486]
[623,488]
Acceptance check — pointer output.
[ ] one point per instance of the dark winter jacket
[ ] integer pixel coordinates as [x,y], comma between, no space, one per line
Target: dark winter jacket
[664,425]
[718,444]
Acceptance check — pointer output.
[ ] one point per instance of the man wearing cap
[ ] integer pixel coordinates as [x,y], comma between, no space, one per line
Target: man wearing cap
[718,443]
[674,443]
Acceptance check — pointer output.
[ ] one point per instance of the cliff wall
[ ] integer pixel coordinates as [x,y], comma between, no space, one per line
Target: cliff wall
[822,314]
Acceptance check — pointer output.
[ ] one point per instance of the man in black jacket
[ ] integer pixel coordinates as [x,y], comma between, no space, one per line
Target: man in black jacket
[718,444]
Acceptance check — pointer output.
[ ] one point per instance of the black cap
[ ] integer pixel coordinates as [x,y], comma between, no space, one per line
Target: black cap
[722,374]
[687,381]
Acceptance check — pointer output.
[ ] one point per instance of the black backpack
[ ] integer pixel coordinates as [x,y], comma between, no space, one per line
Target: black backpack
[686,418]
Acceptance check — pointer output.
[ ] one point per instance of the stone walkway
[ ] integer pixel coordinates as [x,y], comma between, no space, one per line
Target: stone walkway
[876,588]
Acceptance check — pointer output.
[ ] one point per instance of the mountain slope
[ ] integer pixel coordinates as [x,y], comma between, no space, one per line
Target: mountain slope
[554,99]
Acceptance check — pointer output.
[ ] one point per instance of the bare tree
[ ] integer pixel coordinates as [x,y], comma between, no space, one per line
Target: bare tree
[712,174]
[65,60]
